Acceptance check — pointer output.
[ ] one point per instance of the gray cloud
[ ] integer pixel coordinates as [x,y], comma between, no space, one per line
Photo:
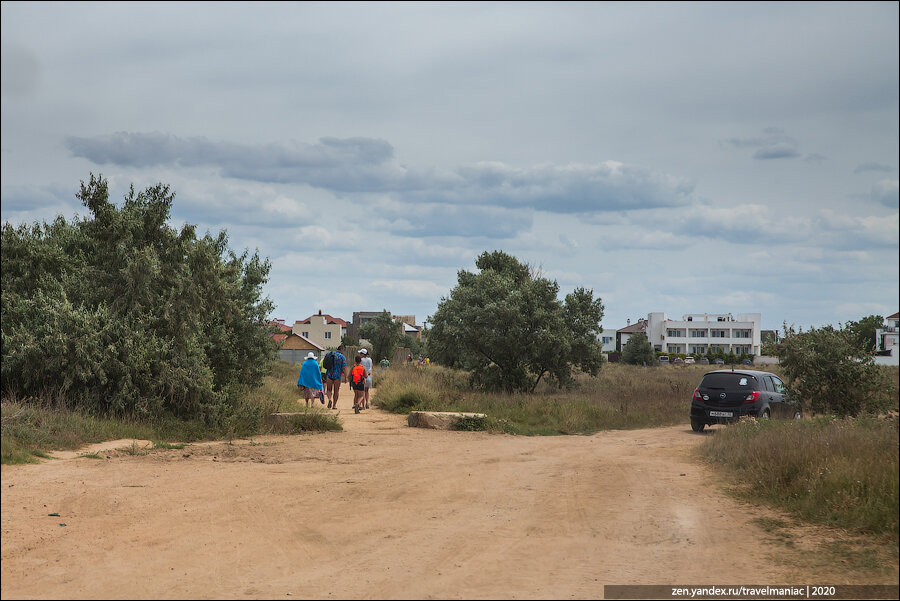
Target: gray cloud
[781,150]
[872,166]
[887,192]
[29,204]
[337,164]
[367,165]
[430,220]
[775,144]
[20,73]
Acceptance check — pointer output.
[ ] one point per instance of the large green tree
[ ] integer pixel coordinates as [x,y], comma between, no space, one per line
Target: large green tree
[118,312]
[863,331]
[383,332]
[828,371]
[507,325]
[638,350]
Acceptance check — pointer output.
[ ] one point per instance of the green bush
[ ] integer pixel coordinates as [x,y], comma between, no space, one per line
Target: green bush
[829,371]
[638,351]
[120,314]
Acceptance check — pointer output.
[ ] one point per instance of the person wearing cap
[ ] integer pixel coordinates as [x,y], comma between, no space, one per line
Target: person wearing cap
[310,380]
[367,363]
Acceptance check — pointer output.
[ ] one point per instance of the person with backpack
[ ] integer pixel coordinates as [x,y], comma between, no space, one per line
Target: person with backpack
[358,384]
[310,380]
[335,367]
[366,362]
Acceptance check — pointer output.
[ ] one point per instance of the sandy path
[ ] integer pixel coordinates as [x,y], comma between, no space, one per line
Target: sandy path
[380,511]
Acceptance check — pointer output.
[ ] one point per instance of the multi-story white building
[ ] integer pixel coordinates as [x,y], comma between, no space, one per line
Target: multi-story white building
[702,333]
[886,341]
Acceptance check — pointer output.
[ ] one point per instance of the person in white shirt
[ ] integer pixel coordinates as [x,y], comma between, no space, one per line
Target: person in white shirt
[367,363]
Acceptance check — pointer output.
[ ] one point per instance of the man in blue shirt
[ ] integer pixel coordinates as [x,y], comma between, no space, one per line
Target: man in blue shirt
[334,375]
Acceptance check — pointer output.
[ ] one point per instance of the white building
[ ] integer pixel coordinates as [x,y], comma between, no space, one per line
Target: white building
[887,348]
[702,333]
[608,341]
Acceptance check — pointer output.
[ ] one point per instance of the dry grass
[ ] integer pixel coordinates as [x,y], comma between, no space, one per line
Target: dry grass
[31,427]
[835,472]
[620,397]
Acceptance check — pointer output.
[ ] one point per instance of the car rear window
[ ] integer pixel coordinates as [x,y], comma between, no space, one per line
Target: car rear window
[728,381]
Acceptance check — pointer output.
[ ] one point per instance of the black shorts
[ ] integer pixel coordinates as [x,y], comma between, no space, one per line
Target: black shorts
[360,386]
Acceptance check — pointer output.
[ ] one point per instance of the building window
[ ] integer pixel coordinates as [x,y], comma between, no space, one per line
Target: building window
[698,333]
[718,333]
[675,333]
[742,334]
[327,335]
[304,334]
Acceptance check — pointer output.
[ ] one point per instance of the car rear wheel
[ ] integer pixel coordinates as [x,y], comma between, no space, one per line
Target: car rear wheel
[697,426]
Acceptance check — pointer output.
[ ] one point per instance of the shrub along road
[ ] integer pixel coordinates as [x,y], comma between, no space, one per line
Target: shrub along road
[382,510]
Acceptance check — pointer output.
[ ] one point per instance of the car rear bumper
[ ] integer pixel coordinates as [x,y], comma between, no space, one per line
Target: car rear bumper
[723,415]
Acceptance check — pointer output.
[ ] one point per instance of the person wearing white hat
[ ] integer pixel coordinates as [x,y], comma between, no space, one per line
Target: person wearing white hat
[367,363]
[310,380]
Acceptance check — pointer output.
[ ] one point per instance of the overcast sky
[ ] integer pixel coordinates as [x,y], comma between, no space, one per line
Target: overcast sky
[684,158]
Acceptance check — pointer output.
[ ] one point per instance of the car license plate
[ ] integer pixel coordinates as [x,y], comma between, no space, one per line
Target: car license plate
[721,414]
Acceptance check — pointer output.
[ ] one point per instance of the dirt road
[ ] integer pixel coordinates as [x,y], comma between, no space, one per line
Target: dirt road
[381,510]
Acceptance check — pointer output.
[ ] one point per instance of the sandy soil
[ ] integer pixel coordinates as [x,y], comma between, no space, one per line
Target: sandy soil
[382,510]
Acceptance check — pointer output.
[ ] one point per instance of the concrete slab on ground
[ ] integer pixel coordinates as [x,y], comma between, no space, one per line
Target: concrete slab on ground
[438,420]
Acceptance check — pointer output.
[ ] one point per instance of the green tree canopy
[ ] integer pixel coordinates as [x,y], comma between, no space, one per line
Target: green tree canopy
[384,332]
[120,313]
[638,350]
[863,331]
[829,372]
[506,324]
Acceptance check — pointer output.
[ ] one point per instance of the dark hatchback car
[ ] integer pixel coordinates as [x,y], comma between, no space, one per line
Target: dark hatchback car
[727,395]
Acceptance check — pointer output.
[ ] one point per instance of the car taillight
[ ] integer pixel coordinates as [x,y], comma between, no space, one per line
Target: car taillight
[697,396]
[752,397]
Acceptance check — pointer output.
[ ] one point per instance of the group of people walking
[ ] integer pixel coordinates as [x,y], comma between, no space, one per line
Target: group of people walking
[323,380]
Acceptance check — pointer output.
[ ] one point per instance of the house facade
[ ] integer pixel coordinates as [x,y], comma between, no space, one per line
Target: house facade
[322,329]
[702,333]
[295,348]
[625,333]
[607,341]
[887,341]
[409,326]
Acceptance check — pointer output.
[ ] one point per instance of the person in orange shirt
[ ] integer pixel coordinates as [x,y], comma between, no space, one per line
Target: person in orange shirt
[358,384]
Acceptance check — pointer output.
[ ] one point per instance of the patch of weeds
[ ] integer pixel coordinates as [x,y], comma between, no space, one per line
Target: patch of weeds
[41,454]
[777,528]
[770,524]
[470,423]
[91,455]
[14,454]
[160,444]
[855,557]
[314,421]
[134,449]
